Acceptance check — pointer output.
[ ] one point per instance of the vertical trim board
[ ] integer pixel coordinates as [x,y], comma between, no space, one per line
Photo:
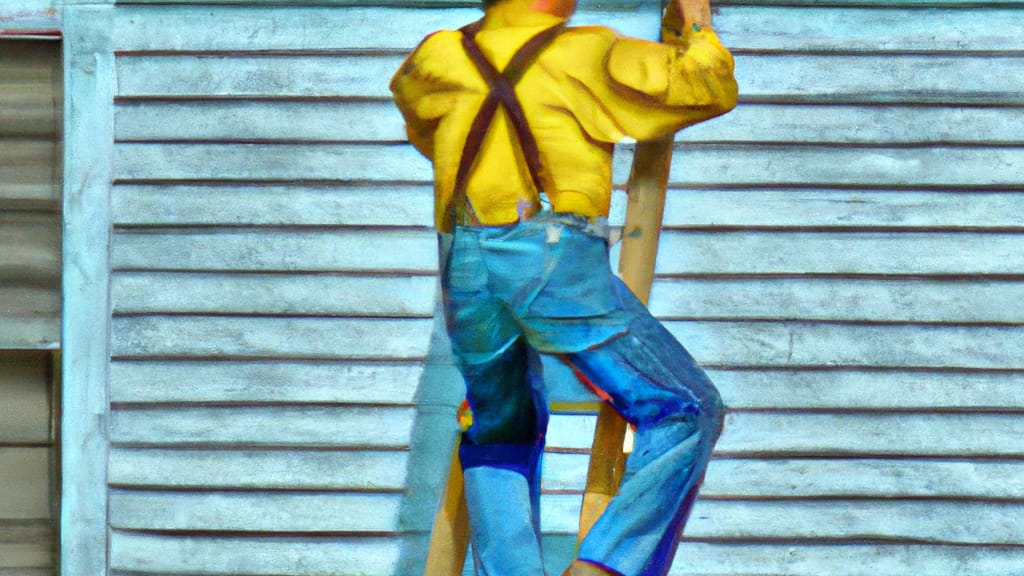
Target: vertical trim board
[89,78]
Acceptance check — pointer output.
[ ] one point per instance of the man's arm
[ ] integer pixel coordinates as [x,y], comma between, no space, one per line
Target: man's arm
[646,89]
[423,94]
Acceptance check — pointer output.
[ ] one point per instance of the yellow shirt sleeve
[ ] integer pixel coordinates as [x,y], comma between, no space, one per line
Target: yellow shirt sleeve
[649,89]
[423,92]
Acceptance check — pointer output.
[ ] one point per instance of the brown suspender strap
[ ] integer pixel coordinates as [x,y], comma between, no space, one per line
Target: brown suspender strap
[502,91]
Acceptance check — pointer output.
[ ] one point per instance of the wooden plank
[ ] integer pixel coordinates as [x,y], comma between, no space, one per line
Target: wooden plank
[789,344]
[31,254]
[815,559]
[853,389]
[786,77]
[323,295]
[28,16]
[401,205]
[753,434]
[859,124]
[24,398]
[279,120]
[338,250]
[772,252]
[286,337]
[29,301]
[822,166]
[915,520]
[743,27]
[27,548]
[287,120]
[30,333]
[27,168]
[726,165]
[264,381]
[258,469]
[235,555]
[848,299]
[922,521]
[25,476]
[255,511]
[743,478]
[947,209]
[393,205]
[294,426]
[299,162]
[885,26]
[89,120]
[139,552]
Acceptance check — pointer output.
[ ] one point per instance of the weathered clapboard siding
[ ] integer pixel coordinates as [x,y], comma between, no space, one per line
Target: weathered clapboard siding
[823,166]
[844,259]
[270,380]
[330,205]
[341,121]
[816,478]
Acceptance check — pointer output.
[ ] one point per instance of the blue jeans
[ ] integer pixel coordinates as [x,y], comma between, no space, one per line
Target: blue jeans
[545,286]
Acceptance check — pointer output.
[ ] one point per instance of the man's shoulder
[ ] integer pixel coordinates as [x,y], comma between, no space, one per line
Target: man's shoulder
[589,34]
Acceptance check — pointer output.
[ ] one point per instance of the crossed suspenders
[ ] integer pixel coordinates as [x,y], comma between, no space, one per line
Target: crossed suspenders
[460,210]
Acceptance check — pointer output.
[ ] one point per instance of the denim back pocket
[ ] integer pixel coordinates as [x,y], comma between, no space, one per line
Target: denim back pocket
[579,281]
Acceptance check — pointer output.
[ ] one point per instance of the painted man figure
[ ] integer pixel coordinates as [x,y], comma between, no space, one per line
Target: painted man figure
[519,115]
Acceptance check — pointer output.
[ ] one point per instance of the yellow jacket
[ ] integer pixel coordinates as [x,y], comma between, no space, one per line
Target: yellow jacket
[589,89]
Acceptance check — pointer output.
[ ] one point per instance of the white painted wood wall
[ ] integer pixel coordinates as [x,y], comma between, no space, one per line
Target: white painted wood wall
[843,252]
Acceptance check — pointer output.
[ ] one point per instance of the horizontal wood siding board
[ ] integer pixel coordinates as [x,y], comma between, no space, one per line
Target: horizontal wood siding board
[24,397]
[839,208]
[813,478]
[798,344]
[284,205]
[32,301]
[718,343]
[27,168]
[815,559]
[135,553]
[963,300]
[875,253]
[820,166]
[254,511]
[259,469]
[253,556]
[312,121]
[915,521]
[850,389]
[285,337]
[681,252]
[933,521]
[25,476]
[312,295]
[31,254]
[781,434]
[810,78]
[880,26]
[338,250]
[36,332]
[264,381]
[281,426]
[27,547]
[255,204]
[200,381]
